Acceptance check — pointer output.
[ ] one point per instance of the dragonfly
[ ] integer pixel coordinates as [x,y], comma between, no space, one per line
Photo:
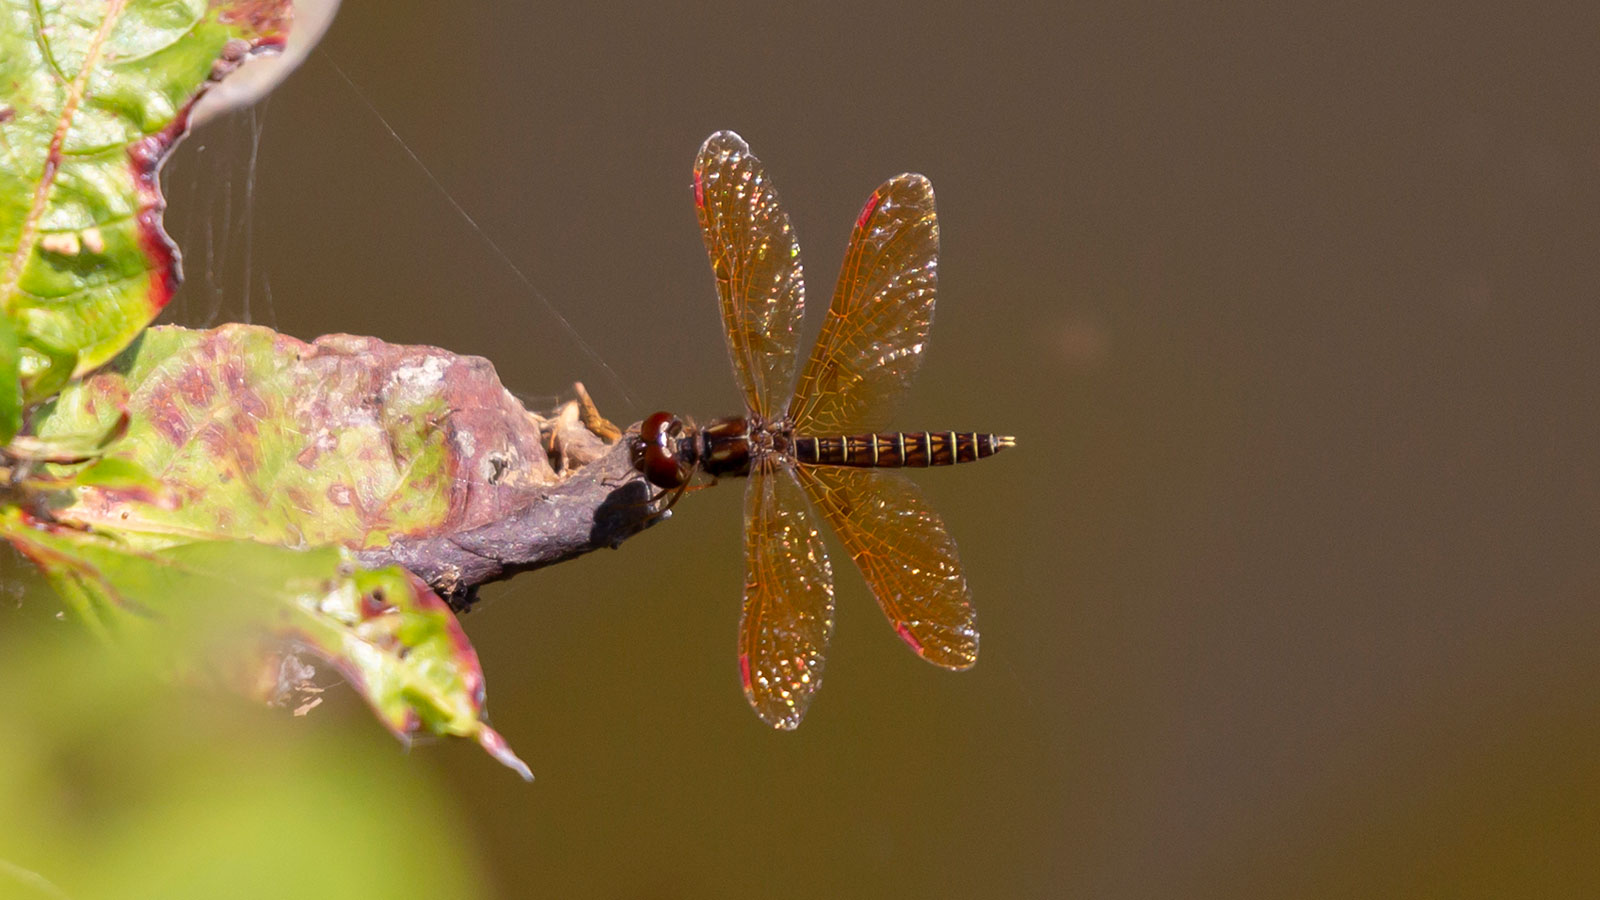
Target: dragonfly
[821,443]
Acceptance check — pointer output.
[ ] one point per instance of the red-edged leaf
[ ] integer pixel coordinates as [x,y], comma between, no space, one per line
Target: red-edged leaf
[93,94]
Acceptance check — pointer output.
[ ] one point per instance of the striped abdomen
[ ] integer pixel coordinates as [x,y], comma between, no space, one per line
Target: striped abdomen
[898,448]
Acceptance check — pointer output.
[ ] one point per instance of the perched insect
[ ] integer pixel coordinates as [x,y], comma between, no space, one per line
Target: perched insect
[823,439]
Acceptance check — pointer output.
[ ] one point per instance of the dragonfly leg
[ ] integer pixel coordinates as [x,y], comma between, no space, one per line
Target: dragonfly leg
[673,495]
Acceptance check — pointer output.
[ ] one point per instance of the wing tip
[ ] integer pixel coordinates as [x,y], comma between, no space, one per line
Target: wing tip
[914,182]
[723,141]
[785,717]
[784,723]
[957,655]
[782,718]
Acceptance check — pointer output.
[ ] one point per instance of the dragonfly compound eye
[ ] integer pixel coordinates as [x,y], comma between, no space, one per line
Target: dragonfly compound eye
[655,453]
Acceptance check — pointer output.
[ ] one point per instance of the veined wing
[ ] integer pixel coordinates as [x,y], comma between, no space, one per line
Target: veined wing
[756,259]
[908,558]
[871,344]
[788,598]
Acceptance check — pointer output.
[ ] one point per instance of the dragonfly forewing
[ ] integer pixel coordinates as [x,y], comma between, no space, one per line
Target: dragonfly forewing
[756,259]
[872,341]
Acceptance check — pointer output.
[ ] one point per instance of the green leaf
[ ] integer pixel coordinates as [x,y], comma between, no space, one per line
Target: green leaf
[183,794]
[394,640]
[10,382]
[46,370]
[66,448]
[93,94]
[120,475]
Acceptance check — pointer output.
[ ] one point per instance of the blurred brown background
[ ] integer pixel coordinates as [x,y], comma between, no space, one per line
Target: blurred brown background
[1291,587]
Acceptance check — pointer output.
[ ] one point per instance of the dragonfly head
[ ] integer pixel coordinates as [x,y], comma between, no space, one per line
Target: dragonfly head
[657,453]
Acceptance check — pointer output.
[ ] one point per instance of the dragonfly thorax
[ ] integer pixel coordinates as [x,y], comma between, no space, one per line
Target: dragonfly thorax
[670,449]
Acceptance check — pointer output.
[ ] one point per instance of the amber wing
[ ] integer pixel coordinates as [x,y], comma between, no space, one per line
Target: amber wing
[756,259]
[908,558]
[788,598]
[877,326]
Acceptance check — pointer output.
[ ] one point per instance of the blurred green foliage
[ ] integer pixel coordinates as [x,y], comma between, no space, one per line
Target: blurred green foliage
[117,785]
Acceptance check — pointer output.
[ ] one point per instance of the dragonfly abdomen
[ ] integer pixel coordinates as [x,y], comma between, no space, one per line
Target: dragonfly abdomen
[897,449]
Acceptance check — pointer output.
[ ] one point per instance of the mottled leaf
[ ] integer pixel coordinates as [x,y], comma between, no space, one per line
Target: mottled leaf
[93,94]
[343,441]
[391,637]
